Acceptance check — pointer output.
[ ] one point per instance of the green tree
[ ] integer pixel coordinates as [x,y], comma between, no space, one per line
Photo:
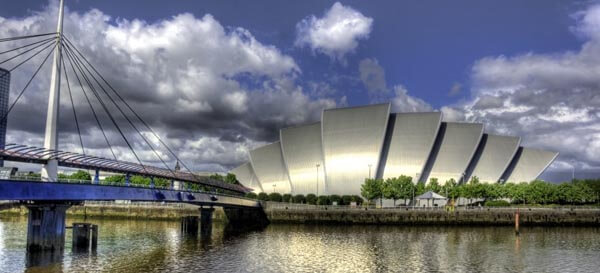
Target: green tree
[81,175]
[335,198]
[391,189]
[357,199]
[346,199]
[450,189]
[433,186]
[407,187]
[263,196]
[287,198]
[323,200]
[372,189]
[231,179]
[251,195]
[311,199]
[275,197]
[299,199]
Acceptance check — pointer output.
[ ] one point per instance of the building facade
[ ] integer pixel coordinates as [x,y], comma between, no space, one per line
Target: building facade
[348,145]
[4,96]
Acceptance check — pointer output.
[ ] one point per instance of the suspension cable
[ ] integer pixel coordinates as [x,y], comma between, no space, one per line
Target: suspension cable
[110,116]
[26,85]
[24,52]
[91,105]
[72,104]
[124,115]
[16,66]
[25,37]
[21,47]
[130,108]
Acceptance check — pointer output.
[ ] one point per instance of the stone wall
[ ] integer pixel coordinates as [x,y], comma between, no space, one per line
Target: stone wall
[476,216]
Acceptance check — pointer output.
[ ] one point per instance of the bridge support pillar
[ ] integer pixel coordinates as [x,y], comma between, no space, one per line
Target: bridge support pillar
[189,225]
[46,227]
[246,218]
[206,215]
[97,177]
[84,236]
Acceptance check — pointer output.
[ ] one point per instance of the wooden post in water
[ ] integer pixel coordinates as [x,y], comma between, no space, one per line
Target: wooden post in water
[517,222]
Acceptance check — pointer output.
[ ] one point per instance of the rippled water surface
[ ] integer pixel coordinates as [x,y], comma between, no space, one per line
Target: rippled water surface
[154,246]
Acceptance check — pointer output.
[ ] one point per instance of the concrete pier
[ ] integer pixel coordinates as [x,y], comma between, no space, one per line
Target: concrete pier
[46,226]
[206,221]
[189,225]
[85,235]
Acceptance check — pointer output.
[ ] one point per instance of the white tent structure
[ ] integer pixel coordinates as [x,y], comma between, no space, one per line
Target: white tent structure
[423,200]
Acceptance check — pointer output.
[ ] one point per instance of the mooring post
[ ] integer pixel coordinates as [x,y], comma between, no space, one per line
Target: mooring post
[517,222]
[189,225]
[46,226]
[84,236]
[206,215]
[127,179]
[97,177]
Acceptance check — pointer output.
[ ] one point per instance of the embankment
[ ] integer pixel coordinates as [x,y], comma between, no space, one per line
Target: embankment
[307,214]
[145,211]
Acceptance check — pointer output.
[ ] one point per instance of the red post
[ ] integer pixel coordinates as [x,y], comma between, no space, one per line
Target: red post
[517,222]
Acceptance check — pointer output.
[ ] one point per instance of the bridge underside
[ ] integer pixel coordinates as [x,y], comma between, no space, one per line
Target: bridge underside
[69,192]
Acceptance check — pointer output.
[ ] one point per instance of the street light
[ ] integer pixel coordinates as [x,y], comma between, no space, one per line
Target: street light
[318,165]
[274,187]
[370,170]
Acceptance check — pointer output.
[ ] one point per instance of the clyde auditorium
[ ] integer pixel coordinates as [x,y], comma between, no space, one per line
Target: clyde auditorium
[335,155]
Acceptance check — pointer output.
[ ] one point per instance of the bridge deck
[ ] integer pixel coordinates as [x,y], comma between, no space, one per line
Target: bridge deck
[73,192]
[30,154]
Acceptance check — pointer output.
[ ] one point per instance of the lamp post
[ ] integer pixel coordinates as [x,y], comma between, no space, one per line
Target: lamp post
[370,170]
[318,165]
[274,187]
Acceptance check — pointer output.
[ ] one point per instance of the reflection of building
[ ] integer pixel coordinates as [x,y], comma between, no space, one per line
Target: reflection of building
[335,155]
[4,92]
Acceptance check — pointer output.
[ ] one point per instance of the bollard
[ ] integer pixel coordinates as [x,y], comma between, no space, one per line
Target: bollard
[517,222]
[84,236]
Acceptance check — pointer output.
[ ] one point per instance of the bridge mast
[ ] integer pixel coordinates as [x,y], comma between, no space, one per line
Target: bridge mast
[50,170]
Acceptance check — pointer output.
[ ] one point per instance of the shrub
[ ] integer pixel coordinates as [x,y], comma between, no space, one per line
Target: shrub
[251,195]
[323,200]
[335,198]
[287,198]
[311,199]
[275,197]
[263,196]
[357,199]
[496,203]
[299,199]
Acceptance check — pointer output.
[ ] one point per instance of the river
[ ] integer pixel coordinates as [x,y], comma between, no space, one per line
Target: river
[158,246]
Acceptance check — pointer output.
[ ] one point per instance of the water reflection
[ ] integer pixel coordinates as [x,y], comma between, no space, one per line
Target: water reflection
[156,246]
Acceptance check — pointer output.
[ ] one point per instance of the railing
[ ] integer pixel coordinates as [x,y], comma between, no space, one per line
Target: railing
[137,204]
[294,206]
[118,184]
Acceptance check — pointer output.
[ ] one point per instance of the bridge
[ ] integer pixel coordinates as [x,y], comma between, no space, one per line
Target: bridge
[48,197]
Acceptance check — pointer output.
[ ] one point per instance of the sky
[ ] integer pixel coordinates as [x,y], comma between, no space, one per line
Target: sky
[217,78]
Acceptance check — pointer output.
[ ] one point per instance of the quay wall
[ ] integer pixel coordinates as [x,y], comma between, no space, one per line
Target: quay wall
[308,214]
[133,211]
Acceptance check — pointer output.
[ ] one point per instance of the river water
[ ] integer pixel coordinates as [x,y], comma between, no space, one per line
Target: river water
[158,246]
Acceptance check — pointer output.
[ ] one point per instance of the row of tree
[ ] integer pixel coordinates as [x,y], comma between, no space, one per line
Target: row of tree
[535,192]
[307,199]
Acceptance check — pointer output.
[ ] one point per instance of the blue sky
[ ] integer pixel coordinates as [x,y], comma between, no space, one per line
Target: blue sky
[536,59]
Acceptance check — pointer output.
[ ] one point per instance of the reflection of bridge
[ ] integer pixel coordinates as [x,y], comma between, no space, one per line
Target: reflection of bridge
[48,199]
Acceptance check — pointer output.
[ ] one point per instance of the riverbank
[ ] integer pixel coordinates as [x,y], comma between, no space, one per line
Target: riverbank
[133,211]
[310,214]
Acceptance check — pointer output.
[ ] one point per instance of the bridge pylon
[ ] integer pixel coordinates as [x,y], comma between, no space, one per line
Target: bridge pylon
[50,169]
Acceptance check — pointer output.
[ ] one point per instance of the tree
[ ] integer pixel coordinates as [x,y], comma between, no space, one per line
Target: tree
[433,186]
[346,200]
[391,189]
[231,179]
[323,200]
[299,199]
[287,198]
[450,189]
[311,199]
[275,197]
[335,198]
[251,195]
[371,189]
[407,187]
[263,196]
[81,175]
[357,199]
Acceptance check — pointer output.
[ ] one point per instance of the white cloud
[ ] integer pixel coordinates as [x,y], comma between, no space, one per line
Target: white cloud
[551,100]
[195,81]
[336,33]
